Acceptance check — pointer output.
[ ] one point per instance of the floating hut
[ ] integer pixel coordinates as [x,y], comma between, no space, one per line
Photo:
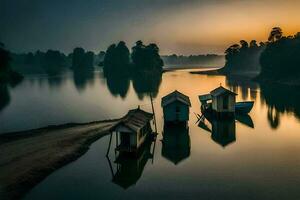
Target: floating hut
[222,102]
[133,130]
[176,107]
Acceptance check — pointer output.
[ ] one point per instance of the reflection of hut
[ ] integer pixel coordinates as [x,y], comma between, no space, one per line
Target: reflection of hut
[176,143]
[133,130]
[223,131]
[176,107]
[129,169]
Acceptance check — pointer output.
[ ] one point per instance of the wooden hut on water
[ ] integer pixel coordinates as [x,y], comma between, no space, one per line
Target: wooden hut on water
[176,107]
[133,130]
[223,101]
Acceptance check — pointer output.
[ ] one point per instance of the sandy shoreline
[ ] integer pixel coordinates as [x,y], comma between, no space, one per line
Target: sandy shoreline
[27,157]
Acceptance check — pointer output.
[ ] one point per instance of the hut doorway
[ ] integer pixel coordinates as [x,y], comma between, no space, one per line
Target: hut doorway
[125,139]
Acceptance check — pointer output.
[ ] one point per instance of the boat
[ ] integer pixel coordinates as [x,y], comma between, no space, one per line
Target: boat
[244,107]
[240,107]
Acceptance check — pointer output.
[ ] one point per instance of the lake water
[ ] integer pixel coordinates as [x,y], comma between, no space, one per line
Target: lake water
[253,157]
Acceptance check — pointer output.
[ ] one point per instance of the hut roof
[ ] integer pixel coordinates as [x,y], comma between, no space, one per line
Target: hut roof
[220,91]
[205,97]
[175,96]
[135,119]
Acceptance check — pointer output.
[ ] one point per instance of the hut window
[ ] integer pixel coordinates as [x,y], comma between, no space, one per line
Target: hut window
[225,102]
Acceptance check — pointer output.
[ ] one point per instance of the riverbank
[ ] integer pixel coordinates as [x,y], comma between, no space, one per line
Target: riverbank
[27,157]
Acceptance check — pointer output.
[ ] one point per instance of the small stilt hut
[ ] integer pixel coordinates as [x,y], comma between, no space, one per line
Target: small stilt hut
[176,107]
[133,130]
[222,102]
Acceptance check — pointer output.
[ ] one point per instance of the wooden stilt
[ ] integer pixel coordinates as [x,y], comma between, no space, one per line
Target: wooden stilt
[154,118]
[110,138]
[110,166]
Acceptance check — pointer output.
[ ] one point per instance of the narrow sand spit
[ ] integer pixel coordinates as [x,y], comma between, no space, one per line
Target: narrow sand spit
[28,157]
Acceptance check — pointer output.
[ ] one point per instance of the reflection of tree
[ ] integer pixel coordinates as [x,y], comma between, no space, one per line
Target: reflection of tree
[82,77]
[55,81]
[117,84]
[236,82]
[273,117]
[8,77]
[176,143]
[5,97]
[146,82]
[280,99]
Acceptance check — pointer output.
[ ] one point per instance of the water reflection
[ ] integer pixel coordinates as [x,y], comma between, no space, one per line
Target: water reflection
[144,83]
[82,77]
[5,88]
[117,84]
[223,131]
[5,96]
[129,168]
[176,144]
[245,120]
[247,88]
[279,100]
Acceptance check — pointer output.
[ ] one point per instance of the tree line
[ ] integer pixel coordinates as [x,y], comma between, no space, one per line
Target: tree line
[276,59]
[243,57]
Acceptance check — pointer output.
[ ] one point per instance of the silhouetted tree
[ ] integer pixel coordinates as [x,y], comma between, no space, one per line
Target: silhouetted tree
[253,44]
[116,59]
[280,60]
[81,59]
[146,57]
[275,34]
[4,58]
[242,59]
[244,44]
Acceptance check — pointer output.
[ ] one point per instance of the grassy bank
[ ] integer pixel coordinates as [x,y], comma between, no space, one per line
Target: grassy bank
[27,157]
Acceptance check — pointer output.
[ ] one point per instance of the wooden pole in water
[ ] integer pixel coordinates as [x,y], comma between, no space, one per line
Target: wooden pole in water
[109,144]
[154,118]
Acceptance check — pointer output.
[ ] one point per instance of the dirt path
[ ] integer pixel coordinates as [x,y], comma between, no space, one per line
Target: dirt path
[28,157]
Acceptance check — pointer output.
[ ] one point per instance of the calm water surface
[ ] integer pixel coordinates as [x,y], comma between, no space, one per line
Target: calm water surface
[257,159]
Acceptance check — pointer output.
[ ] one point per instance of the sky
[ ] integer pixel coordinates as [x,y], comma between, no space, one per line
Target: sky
[177,26]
